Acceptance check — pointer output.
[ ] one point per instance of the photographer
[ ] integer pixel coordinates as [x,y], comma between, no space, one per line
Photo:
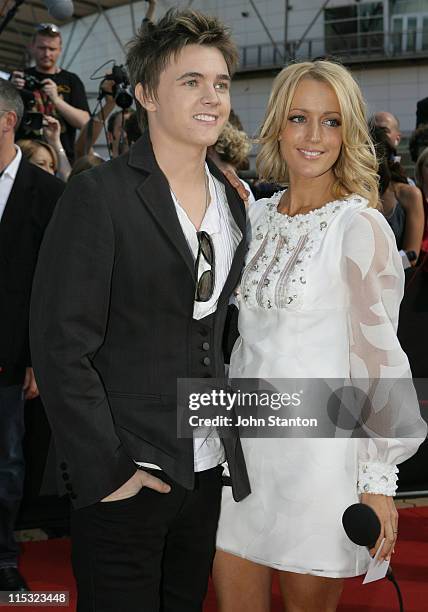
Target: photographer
[114,92]
[108,99]
[50,90]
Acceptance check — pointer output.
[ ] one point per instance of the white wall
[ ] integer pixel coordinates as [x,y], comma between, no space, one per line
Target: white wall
[101,44]
[396,89]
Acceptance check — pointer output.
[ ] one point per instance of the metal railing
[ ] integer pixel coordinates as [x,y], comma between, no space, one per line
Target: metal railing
[349,48]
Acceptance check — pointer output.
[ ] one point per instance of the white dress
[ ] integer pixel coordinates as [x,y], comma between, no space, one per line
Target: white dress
[319,298]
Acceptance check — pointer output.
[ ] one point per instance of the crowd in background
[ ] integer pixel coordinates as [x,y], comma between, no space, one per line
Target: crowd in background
[56,110]
[403,198]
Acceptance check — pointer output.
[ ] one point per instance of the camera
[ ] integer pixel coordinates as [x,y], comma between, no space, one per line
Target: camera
[31,122]
[32,83]
[121,90]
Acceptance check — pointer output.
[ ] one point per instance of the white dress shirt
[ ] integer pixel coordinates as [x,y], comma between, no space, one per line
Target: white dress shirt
[225,235]
[7,179]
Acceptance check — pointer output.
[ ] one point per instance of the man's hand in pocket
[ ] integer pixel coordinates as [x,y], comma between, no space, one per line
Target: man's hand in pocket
[134,485]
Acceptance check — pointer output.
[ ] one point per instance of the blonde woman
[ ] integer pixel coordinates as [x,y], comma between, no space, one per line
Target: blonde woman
[319,298]
[40,154]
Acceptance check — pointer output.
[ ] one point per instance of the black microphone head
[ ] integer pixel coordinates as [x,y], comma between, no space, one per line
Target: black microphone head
[361,524]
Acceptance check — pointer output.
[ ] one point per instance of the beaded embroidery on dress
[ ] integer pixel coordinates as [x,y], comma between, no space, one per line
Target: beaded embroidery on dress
[281,249]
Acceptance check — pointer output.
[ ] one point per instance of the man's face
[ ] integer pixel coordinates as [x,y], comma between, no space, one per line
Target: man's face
[192,103]
[7,128]
[46,51]
[388,123]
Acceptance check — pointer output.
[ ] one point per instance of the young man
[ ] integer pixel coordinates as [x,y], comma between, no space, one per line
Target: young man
[120,313]
[62,94]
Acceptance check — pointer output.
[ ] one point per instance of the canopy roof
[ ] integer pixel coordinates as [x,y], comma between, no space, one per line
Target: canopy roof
[16,37]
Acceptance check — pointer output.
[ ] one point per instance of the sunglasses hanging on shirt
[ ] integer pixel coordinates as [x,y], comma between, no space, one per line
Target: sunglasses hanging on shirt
[205,284]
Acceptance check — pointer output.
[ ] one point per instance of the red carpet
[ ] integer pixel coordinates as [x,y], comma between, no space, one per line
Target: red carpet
[51,558]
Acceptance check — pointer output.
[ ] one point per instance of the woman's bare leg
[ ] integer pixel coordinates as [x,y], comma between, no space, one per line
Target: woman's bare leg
[241,585]
[306,593]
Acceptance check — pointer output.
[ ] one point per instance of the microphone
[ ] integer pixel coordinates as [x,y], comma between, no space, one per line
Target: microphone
[362,526]
[60,9]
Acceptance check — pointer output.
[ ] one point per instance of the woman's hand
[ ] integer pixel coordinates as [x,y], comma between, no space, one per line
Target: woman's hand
[52,131]
[388,516]
[236,184]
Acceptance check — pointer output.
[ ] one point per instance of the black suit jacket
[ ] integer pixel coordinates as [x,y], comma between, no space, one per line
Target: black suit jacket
[112,327]
[25,217]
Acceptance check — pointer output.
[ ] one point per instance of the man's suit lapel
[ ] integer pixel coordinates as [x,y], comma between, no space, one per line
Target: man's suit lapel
[237,211]
[155,195]
[16,207]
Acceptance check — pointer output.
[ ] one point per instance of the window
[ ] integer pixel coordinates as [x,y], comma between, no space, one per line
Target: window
[409,19]
[402,7]
[354,29]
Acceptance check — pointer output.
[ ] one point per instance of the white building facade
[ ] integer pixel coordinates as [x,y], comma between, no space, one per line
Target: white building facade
[385,44]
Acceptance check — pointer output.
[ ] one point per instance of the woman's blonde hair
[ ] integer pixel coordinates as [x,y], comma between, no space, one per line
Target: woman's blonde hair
[418,168]
[29,147]
[356,167]
[233,146]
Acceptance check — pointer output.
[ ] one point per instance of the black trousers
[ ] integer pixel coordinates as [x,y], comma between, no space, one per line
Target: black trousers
[150,553]
[12,469]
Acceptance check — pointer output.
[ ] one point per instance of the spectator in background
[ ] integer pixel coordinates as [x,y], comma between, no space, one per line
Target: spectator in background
[40,154]
[230,153]
[418,141]
[402,203]
[132,129]
[96,124]
[85,163]
[27,198]
[92,130]
[421,174]
[422,113]
[61,93]
[390,125]
[116,133]
[48,154]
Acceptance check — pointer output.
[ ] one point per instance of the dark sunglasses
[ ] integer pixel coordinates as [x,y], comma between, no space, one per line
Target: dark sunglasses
[47,27]
[205,284]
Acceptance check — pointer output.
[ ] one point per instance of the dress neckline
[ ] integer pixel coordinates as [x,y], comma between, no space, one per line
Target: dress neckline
[277,196]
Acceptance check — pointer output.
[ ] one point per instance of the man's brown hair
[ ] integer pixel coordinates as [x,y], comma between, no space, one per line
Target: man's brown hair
[152,47]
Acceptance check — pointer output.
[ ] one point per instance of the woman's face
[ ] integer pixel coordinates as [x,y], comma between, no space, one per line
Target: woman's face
[311,138]
[43,159]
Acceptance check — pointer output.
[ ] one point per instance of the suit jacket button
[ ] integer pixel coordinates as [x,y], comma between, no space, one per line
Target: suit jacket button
[206,361]
[206,346]
[73,495]
[65,476]
[203,332]
[63,465]
[69,486]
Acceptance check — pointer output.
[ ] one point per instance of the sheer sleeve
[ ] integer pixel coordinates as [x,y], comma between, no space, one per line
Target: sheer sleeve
[374,275]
